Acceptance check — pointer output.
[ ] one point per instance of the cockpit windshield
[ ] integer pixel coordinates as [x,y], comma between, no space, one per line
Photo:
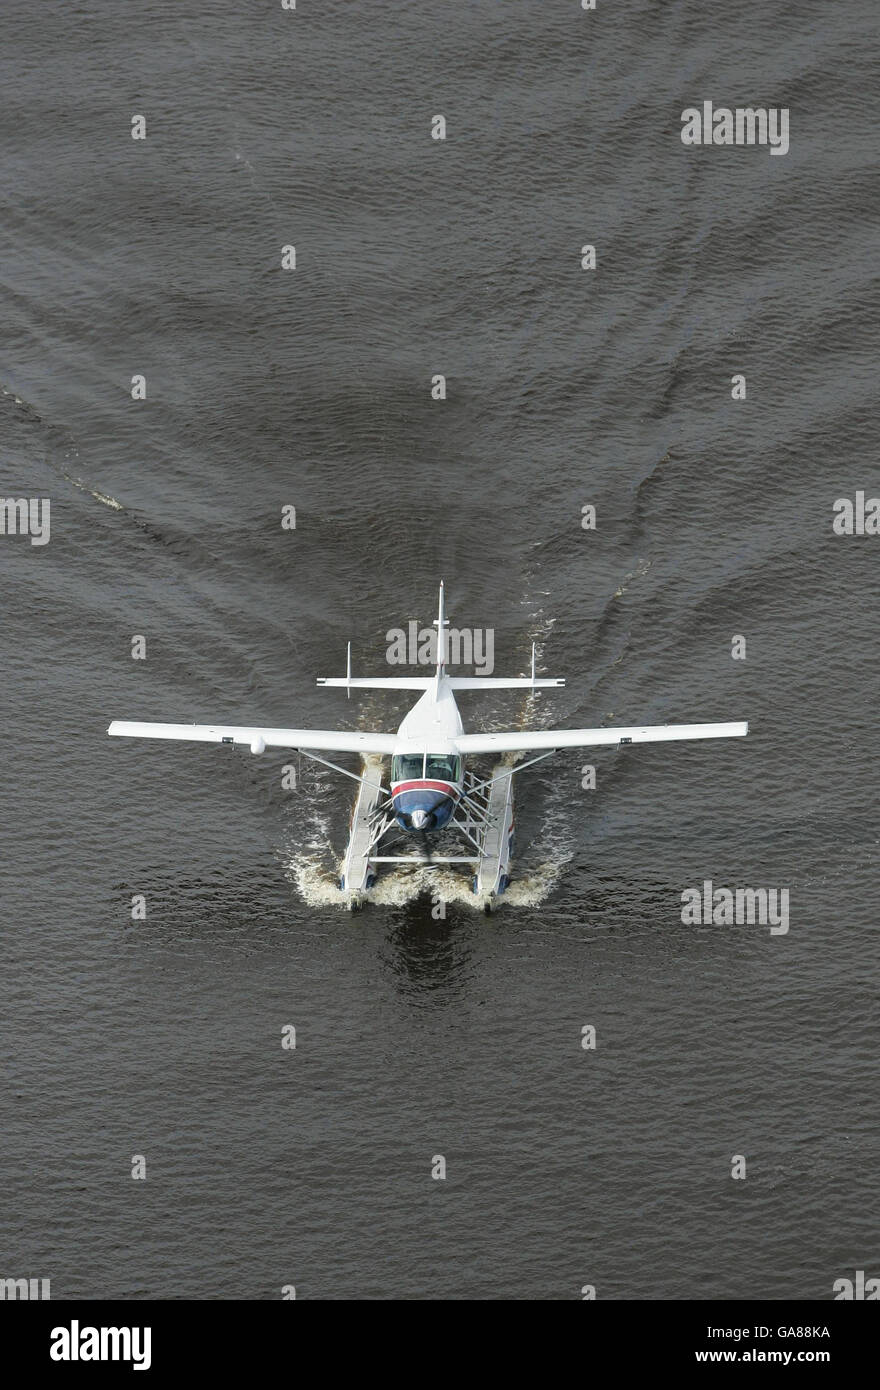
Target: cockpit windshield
[444,768]
[406,767]
[436,767]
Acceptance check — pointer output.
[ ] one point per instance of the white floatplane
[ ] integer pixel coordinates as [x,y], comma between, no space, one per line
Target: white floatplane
[430,788]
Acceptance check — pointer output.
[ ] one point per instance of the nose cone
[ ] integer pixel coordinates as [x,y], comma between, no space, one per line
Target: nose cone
[423,809]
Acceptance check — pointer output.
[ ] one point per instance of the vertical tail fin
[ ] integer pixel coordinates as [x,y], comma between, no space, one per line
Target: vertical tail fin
[441,622]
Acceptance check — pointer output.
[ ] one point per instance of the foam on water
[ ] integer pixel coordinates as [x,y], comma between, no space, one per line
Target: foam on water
[62,471]
[641,569]
[308,858]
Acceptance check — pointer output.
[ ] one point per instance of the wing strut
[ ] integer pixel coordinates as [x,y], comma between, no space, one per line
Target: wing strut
[344,770]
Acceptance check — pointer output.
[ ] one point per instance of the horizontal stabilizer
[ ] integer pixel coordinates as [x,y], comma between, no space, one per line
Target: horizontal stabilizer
[531,682]
[501,683]
[584,738]
[378,682]
[329,740]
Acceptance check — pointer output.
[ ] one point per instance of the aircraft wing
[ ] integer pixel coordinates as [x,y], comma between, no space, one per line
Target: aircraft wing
[583,738]
[329,740]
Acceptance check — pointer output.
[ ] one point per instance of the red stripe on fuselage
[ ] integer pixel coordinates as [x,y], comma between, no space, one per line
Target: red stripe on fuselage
[448,787]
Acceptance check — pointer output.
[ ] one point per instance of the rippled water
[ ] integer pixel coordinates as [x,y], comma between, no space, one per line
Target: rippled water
[418,1037]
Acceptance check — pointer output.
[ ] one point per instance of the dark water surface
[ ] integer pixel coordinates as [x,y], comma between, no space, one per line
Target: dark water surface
[418,1037]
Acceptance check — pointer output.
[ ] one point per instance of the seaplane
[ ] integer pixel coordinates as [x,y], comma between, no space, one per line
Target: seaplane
[430,788]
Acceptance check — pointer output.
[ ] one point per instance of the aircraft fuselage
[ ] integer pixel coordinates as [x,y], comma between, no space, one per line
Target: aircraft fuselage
[427,771]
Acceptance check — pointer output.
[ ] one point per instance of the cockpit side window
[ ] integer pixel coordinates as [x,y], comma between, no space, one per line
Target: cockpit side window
[406,767]
[443,767]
